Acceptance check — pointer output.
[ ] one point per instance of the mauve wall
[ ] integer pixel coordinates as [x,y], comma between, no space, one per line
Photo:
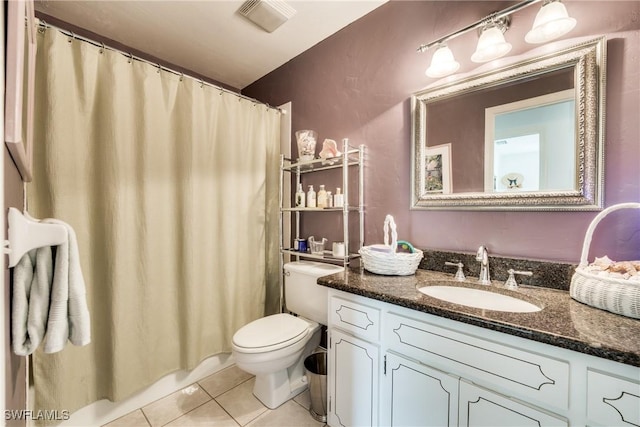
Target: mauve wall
[357,84]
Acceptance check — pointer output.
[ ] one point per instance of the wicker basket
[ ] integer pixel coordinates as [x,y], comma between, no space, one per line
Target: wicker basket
[612,294]
[384,259]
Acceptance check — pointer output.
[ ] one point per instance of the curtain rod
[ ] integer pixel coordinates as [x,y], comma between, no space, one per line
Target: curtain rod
[43,26]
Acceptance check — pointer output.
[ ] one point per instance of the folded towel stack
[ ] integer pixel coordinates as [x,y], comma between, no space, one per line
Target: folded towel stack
[49,299]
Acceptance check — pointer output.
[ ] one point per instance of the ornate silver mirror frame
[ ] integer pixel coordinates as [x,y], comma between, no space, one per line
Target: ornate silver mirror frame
[588,61]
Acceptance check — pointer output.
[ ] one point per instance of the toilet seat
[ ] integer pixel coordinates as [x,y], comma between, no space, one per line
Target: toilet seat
[270,333]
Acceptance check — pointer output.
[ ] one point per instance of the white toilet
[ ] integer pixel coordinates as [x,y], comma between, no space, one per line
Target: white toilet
[273,348]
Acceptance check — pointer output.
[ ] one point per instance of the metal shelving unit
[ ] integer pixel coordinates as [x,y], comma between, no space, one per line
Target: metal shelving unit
[351,158]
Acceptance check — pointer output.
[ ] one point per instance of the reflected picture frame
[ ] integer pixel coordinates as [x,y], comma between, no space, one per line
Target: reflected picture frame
[437,167]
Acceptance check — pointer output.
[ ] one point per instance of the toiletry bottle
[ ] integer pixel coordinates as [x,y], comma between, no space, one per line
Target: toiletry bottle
[322,197]
[311,197]
[338,200]
[329,199]
[300,197]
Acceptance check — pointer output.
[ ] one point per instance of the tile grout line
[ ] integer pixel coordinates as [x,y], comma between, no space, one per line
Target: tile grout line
[234,419]
[170,421]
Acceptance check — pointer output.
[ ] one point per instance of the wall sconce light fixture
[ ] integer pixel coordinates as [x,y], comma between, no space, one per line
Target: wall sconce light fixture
[551,22]
[491,44]
[443,63]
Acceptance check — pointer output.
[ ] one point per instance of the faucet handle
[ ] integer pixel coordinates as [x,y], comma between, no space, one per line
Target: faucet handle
[511,283]
[459,274]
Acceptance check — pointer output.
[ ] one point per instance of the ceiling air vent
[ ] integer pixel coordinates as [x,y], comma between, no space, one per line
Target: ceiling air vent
[267,14]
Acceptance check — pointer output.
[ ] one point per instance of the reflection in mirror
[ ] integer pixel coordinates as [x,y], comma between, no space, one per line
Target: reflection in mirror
[524,137]
[530,144]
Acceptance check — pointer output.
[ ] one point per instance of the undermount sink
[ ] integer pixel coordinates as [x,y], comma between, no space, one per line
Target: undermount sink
[478,298]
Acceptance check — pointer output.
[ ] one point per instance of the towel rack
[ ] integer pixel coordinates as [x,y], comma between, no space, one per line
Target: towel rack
[26,233]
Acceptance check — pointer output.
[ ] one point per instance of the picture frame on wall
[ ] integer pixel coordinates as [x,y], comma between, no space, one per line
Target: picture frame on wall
[437,176]
[20,84]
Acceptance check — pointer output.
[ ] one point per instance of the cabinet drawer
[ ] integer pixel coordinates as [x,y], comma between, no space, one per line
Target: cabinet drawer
[522,374]
[612,401]
[359,319]
[480,407]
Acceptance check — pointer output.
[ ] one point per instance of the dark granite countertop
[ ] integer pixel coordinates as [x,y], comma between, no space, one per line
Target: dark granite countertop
[563,322]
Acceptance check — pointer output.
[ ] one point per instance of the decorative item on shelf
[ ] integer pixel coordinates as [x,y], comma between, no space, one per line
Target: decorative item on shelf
[300,245]
[329,199]
[300,197]
[385,259]
[306,144]
[311,197]
[338,249]
[329,150]
[605,284]
[322,197]
[317,247]
[338,199]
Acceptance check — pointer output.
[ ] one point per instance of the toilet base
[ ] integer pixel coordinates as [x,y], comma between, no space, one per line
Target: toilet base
[275,388]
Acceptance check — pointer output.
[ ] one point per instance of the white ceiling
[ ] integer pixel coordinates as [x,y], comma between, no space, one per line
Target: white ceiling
[210,37]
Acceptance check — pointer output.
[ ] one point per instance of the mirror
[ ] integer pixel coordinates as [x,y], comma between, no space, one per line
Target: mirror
[525,137]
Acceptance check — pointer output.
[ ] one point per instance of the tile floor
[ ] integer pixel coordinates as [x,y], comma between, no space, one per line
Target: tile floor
[221,399]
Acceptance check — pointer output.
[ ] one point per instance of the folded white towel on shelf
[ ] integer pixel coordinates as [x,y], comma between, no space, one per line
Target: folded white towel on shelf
[30,300]
[49,298]
[68,313]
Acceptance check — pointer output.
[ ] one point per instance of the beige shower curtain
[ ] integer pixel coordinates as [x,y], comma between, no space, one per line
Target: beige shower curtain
[171,187]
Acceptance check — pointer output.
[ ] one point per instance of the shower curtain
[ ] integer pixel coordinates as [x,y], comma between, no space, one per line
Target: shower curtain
[171,187]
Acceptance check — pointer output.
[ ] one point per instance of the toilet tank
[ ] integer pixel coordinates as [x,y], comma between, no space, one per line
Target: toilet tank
[303,295]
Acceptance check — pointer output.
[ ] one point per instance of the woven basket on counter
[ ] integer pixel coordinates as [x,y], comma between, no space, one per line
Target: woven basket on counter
[613,294]
[384,259]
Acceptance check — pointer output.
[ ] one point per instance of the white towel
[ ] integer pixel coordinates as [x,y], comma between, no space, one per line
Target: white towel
[30,300]
[68,312]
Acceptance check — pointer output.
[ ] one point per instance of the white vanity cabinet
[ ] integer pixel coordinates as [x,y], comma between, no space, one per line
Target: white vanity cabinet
[354,363]
[415,395]
[354,385]
[481,407]
[389,365]
[613,401]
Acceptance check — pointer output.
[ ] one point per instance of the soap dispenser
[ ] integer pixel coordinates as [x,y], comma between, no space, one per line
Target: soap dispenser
[300,197]
[311,197]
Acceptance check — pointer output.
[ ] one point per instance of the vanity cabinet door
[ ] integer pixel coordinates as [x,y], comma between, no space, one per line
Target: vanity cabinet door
[481,407]
[417,395]
[354,367]
[612,401]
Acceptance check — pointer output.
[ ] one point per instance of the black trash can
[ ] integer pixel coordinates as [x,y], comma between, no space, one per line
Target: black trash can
[316,367]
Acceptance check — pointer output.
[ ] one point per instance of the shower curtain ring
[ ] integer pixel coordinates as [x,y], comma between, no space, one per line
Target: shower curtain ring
[101,47]
[130,60]
[73,36]
[181,76]
[201,83]
[159,68]
[42,27]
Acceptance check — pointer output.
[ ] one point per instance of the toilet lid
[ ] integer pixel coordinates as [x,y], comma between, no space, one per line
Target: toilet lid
[276,331]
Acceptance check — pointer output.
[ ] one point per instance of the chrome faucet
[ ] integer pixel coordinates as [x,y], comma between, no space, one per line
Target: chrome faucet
[483,258]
